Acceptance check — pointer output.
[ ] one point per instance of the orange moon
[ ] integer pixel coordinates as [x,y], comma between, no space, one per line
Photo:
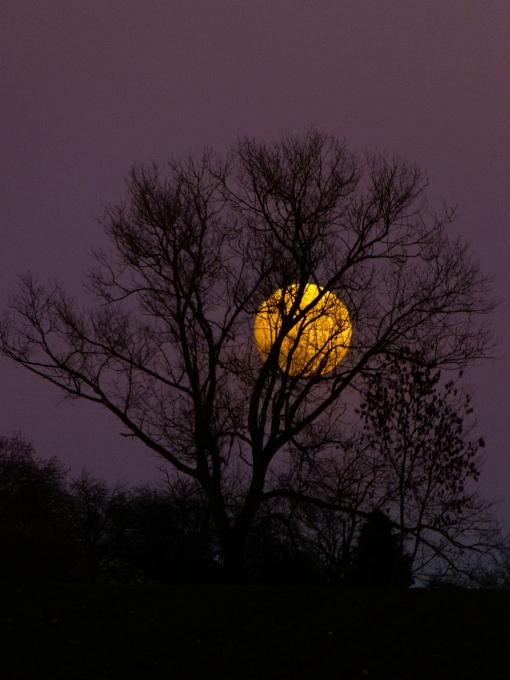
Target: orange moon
[317,343]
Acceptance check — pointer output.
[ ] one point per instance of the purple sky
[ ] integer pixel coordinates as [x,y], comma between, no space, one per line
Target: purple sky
[87,88]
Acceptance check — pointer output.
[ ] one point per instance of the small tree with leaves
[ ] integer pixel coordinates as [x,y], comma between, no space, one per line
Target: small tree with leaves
[419,429]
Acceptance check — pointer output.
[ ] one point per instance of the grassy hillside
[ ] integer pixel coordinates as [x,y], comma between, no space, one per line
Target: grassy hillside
[68,632]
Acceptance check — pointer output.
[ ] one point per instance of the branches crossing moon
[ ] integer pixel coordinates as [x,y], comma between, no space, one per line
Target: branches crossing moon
[317,343]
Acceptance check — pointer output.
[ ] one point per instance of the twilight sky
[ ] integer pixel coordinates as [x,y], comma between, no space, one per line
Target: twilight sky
[89,87]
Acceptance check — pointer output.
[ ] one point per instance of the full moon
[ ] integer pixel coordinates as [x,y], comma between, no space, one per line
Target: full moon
[317,343]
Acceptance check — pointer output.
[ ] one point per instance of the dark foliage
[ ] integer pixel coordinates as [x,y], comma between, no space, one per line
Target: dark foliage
[167,536]
[34,504]
[377,562]
[52,530]
[97,516]
[419,430]
[274,557]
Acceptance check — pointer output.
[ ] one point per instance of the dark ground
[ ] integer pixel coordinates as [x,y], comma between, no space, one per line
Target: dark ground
[187,632]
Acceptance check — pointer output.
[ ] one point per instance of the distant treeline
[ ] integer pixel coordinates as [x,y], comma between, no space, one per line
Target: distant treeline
[53,529]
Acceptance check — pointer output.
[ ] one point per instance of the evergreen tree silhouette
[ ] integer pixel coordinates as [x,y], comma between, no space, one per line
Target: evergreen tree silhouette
[377,562]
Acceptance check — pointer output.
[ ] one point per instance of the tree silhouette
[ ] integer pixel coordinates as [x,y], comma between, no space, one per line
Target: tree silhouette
[34,514]
[417,429]
[377,561]
[197,250]
[98,516]
[168,534]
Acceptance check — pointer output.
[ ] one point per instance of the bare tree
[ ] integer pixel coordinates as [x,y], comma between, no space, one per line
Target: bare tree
[322,500]
[96,512]
[491,570]
[198,249]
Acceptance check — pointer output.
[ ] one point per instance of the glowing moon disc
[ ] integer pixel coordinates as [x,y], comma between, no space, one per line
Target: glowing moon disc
[317,343]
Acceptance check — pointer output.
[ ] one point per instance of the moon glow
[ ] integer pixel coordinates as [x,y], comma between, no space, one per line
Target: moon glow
[317,343]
